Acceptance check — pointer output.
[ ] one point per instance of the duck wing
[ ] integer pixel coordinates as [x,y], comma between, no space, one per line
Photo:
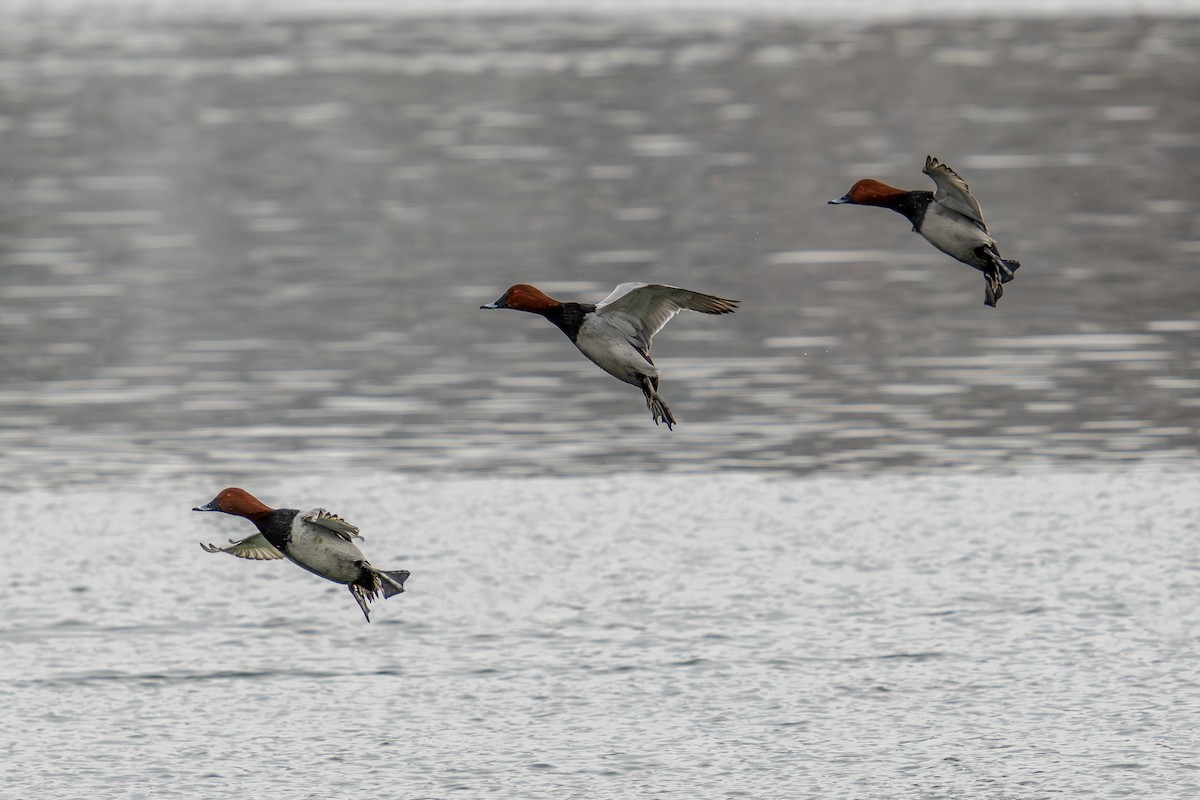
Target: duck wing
[640,310]
[332,523]
[254,548]
[953,192]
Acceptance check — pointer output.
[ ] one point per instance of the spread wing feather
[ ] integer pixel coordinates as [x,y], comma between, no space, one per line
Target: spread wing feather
[640,310]
[953,192]
[254,548]
[332,523]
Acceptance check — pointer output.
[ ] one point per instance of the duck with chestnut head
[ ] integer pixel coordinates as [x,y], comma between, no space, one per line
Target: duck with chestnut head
[615,334]
[950,219]
[318,541]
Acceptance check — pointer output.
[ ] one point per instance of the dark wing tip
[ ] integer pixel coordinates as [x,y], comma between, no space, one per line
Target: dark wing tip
[932,164]
[716,305]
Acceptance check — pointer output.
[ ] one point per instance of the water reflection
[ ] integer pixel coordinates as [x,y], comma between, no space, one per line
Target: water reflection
[246,248]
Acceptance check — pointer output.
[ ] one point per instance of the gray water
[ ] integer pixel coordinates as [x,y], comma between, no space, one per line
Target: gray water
[246,249]
[900,545]
[701,636]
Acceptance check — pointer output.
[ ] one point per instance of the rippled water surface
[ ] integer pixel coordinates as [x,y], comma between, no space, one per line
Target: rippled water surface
[254,252]
[702,636]
[234,247]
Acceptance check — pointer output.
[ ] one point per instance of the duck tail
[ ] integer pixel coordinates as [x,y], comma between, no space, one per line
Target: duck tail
[366,590]
[659,411]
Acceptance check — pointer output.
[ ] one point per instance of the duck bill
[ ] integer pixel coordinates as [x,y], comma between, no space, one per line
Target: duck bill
[495,304]
[209,506]
[841,200]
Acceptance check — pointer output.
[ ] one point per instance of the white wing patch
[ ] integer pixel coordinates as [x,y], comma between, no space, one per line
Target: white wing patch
[332,523]
[640,310]
[953,192]
[254,548]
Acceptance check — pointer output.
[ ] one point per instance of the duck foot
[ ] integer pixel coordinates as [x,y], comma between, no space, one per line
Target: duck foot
[659,411]
[994,290]
[999,270]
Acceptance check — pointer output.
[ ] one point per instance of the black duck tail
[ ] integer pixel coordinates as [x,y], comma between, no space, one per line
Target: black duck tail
[373,582]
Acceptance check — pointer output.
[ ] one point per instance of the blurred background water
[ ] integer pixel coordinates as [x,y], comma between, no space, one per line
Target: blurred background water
[263,246]
[905,545]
